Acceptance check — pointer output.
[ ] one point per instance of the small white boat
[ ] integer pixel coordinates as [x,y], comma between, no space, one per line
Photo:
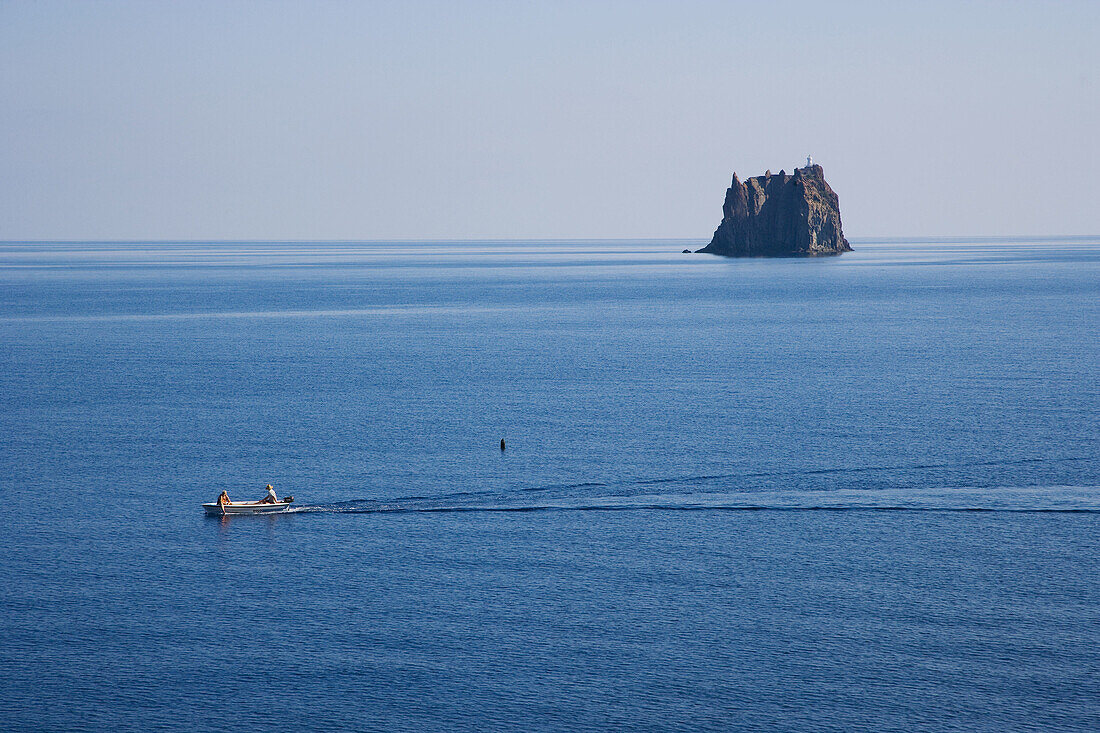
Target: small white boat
[245,507]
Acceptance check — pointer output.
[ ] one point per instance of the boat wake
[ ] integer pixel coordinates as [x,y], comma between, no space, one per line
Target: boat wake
[692,492]
[1031,499]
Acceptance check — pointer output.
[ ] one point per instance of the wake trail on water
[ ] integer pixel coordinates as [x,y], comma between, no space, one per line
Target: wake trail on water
[1033,499]
[666,507]
[638,495]
[704,478]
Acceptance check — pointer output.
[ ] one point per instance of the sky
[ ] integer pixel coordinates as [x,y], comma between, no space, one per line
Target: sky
[467,120]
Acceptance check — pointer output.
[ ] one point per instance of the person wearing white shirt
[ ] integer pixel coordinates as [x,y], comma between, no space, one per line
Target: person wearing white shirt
[270,498]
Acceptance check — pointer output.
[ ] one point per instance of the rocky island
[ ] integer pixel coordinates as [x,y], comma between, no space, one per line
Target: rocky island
[780,216]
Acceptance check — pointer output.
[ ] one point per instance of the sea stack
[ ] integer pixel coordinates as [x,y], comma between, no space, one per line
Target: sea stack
[780,216]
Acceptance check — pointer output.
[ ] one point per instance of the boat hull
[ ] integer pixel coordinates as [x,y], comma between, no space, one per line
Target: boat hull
[245,507]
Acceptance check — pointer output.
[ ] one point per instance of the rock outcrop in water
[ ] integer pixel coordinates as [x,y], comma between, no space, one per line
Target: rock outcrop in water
[780,216]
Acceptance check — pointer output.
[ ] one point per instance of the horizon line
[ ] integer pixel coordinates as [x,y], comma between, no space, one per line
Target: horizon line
[464,240]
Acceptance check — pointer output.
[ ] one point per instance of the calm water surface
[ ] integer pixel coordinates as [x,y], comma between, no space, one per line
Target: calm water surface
[856,493]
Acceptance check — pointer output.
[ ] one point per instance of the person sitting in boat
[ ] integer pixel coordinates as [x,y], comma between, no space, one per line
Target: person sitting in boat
[223,499]
[270,498]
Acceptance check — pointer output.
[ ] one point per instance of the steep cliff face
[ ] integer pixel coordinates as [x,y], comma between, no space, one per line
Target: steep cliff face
[780,216]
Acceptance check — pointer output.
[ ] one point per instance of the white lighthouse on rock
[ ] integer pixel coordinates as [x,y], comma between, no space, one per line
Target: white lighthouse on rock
[809,161]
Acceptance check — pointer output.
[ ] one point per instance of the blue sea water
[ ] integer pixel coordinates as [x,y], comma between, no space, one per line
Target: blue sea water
[846,494]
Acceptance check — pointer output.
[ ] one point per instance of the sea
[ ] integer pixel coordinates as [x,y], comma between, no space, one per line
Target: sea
[856,493]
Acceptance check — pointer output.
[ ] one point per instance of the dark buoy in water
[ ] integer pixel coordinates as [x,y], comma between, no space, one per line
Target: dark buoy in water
[502,444]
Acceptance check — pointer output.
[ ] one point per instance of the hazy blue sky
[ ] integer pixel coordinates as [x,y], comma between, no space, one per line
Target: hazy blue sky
[332,120]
